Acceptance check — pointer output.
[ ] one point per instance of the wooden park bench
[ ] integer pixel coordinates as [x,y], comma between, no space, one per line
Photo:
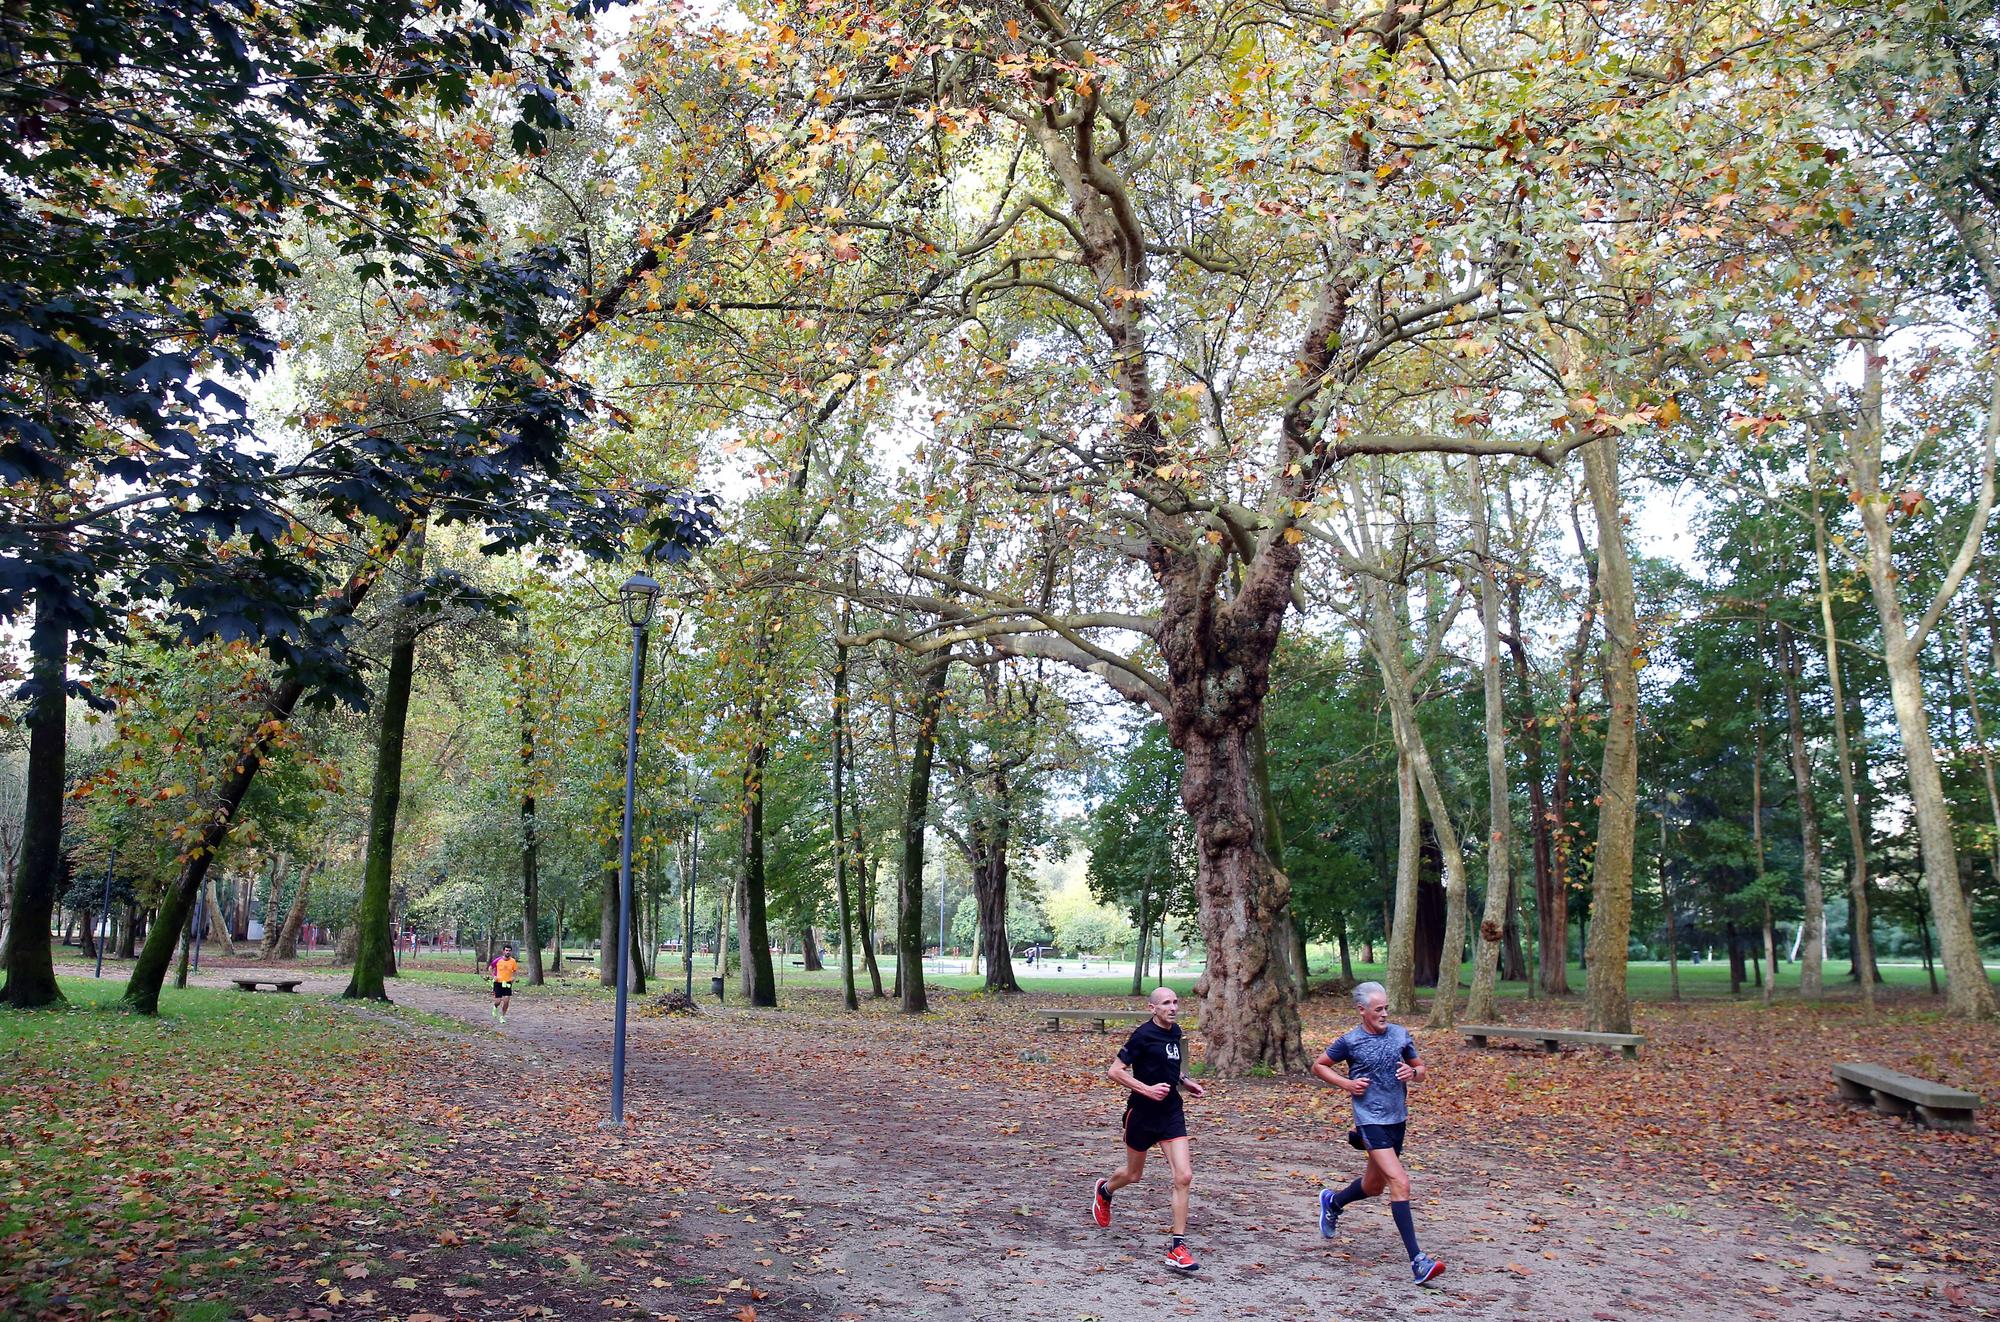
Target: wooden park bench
[1893,1093]
[1056,1018]
[275,984]
[1552,1039]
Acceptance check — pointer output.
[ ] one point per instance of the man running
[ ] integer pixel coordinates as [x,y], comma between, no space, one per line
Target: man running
[1149,1068]
[504,966]
[1382,1062]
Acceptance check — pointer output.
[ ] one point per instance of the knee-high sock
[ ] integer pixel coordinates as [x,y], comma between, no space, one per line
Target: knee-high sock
[1353,1193]
[1405,1226]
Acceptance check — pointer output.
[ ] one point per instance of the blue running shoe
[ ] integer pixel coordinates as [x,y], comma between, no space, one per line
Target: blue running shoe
[1425,1268]
[1329,1215]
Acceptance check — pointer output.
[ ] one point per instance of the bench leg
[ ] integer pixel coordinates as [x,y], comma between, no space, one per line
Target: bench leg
[1477,1039]
[1551,1046]
[287,990]
[1052,1026]
[1947,1117]
[1858,1093]
[1890,1104]
[1100,1026]
[1629,1052]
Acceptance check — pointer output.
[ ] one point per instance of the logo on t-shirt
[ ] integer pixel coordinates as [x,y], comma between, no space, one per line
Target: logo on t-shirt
[1173,1051]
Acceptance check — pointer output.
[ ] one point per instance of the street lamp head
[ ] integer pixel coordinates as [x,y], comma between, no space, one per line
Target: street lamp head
[638,595]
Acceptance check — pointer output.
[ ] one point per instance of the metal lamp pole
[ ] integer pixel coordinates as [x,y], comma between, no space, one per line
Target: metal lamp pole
[638,596]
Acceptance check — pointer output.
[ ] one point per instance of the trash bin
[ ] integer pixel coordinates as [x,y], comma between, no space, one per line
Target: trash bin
[715,985]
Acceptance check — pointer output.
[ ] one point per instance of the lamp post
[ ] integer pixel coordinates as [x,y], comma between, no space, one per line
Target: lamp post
[637,596]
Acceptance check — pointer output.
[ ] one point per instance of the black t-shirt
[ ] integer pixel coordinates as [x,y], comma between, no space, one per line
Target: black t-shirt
[1153,1054]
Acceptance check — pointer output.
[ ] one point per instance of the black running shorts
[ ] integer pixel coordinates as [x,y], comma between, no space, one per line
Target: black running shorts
[503,988]
[1382,1136]
[1143,1132]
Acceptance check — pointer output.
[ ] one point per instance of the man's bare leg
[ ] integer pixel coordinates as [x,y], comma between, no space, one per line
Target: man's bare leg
[1181,1162]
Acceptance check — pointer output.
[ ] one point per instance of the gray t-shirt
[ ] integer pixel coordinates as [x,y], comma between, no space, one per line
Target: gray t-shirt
[1375,1056]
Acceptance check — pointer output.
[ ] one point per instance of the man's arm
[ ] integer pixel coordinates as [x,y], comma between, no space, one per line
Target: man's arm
[1121,1074]
[1323,1067]
[1412,1070]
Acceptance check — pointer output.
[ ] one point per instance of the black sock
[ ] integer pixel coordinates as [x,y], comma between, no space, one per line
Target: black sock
[1104,1190]
[1353,1193]
[1175,1241]
[1405,1227]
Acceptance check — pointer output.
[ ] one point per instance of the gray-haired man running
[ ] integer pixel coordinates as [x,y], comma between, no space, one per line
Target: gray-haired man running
[1382,1062]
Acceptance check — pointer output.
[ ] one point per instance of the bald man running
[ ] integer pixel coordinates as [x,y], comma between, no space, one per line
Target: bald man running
[1149,1068]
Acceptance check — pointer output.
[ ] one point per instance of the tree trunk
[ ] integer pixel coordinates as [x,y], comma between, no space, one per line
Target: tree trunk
[1812,950]
[531,873]
[295,917]
[372,942]
[916,818]
[843,625]
[1499,798]
[864,912]
[218,920]
[1145,918]
[810,949]
[1555,913]
[274,907]
[1985,749]
[753,925]
[1667,904]
[559,931]
[1400,974]
[607,922]
[29,959]
[1770,984]
[991,836]
[1968,992]
[1249,1011]
[1609,1007]
[1860,933]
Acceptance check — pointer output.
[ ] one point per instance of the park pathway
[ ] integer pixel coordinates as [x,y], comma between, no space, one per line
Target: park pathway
[877,1167]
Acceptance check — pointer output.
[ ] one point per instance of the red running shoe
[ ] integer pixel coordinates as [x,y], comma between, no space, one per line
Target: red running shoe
[1100,1206]
[1181,1260]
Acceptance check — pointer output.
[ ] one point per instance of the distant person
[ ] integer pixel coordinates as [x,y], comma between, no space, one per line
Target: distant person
[1382,1062]
[504,966]
[1149,1068]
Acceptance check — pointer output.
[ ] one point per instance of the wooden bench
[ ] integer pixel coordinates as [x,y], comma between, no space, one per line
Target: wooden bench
[275,984]
[1552,1039]
[1893,1093]
[1056,1018]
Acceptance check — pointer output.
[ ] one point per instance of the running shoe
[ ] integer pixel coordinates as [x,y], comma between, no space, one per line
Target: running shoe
[1329,1215]
[1425,1268]
[1100,1205]
[1181,1260]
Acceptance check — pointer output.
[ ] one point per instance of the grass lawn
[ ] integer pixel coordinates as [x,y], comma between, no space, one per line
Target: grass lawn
[144,1159]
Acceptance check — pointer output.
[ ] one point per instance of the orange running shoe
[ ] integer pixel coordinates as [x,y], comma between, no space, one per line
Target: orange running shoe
[1100,1206]
[1180,1259]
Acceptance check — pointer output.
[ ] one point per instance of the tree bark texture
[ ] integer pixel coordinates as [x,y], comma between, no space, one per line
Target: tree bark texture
[759,981]
[1609,1006]
[1400,972]
[29,958]
[531,871]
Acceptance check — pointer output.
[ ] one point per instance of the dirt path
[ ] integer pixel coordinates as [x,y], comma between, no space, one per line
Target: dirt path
[863,1177]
